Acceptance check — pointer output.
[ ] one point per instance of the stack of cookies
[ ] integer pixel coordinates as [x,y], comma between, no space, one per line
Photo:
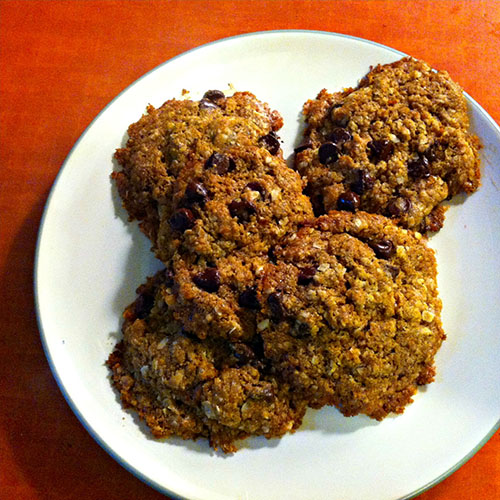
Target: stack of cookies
[285,288]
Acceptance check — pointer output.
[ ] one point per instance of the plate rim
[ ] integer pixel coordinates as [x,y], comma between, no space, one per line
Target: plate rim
[36,284]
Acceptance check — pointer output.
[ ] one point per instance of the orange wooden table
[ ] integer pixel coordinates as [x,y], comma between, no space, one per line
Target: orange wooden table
[61,62]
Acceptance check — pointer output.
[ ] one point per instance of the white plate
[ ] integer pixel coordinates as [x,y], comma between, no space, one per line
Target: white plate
[89,262]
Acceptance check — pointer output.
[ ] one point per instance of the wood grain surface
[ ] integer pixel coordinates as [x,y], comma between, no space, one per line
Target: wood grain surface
[61,62]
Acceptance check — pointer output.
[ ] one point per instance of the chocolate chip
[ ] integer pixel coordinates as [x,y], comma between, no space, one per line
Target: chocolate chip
[143,305]
[348,201]
[242,209]
[221,163]
[328,153]
[339,136]
[168,278]
[318,205]
[306,275]
[248,298]
[380,150]
[384,249]
[271,255]
[305,144]
[195,193]
[419,168]
[274,301]
[208,280]
[258,346]
[214,95]
[242,352]
[300,330]
[430,153]
[257,186]
[398,207]
[270,142]
[182,219]
[207,104]
[316,200]
[392,271]
[362,181]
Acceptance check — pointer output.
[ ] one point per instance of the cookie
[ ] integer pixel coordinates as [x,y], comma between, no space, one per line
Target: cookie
[351,315]
[161,141]
[245,198]
[397,145]
[187,387]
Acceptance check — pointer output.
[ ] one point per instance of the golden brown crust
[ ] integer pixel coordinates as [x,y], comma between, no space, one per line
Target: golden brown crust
[187,387]
[346,314]
[354,313]
[162,141]
[262,309]
[399,141]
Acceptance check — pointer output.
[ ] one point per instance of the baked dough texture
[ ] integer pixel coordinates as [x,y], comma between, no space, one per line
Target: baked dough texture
[265,308]
[189,387]
[352,313]
[251,206]
[398,145]
[180,132]
[209,186]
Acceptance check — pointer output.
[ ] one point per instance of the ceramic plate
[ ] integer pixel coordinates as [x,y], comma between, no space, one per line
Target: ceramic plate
[90,260]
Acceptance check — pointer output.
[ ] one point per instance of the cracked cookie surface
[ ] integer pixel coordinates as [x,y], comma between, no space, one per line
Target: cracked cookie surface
[351,314]
[160,143]
[262,309]
[187,387]
[217,300]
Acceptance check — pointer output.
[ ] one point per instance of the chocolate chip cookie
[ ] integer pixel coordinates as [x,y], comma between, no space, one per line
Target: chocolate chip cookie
[162,140]
[350,313]
[187,387]
[397,145]
[245,198]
